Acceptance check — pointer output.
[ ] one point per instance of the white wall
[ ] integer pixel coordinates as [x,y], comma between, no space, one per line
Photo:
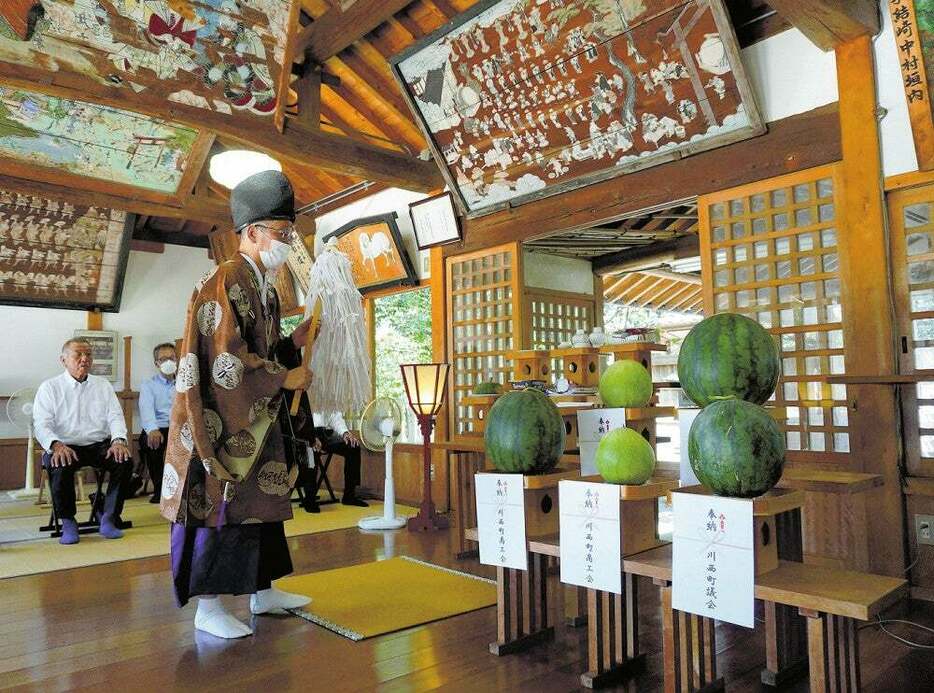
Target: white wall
[790,75]
[155,300]
[391,200]
[544,271]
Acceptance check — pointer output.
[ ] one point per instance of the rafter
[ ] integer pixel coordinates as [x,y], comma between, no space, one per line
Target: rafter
[362,104]
[370,97]
[335,30]
[830,23]
[299,144]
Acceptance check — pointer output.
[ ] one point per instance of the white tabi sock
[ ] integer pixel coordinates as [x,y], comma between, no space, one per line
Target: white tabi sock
[273,601]
[212,617]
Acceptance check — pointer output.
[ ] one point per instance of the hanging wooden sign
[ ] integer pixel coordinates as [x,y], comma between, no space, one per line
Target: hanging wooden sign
[523,100]
[913,26]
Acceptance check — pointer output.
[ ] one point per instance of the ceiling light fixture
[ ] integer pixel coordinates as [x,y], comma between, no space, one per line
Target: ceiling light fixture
[235,165]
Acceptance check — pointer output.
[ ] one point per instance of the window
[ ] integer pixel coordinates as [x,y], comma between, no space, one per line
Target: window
[403,335]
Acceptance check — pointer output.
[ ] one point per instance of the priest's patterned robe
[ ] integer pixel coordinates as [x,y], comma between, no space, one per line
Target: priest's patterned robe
[224,429]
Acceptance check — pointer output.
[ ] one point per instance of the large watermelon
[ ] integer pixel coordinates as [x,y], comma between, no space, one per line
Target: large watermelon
[736,448]
[524,433]
[728,355]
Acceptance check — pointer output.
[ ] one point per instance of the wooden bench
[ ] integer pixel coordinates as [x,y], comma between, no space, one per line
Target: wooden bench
[831,600]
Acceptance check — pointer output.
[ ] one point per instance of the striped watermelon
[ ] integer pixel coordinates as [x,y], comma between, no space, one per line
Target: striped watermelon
[728,355]
[736,448]
[524,433]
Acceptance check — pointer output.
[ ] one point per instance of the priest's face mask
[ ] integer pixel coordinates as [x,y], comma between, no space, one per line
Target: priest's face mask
[77,359]
[273,240]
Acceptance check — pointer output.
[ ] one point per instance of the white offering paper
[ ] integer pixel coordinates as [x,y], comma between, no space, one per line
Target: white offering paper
[590,535]
[713,557]
[501,520]
[592,425]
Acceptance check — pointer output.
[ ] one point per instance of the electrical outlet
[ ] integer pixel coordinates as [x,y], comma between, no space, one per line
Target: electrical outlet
[924,529]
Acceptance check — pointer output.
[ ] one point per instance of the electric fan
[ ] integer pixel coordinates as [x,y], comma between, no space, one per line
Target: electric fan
[380,425]
[19,412]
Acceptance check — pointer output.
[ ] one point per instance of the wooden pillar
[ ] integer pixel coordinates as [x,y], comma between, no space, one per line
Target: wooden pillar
[612,636]
[869,328]
[95,320]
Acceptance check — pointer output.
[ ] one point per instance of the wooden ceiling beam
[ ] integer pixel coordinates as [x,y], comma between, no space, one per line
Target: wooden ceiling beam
[198,208]
[378,79]
[445,8]
[335,30]
[368,99]
[299,144]
[648,255]
[407,22]
[689,299]
[666,294]
[653,285]
[831,23]
[640,283]
[342,117]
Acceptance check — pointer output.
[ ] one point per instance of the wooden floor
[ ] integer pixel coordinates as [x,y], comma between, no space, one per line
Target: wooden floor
[117,626]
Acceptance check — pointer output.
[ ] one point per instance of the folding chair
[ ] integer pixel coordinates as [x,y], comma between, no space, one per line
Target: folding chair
[93,523]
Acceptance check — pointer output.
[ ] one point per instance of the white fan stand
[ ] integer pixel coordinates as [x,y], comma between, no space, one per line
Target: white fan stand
[30,491]
[388,520]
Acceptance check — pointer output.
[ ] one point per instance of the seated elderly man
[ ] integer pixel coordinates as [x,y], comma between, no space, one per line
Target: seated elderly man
[79,423]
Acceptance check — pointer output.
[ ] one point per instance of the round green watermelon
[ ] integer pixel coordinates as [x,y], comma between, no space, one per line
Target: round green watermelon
[736,448]
[625,457]
[728,355]
[524,433]
[626,383]
[488,389]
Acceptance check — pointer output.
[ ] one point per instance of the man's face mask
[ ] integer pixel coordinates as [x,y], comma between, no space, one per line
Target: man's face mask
[168,367]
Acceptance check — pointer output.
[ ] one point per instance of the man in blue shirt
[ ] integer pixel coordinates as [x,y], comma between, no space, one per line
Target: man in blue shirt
[155,404]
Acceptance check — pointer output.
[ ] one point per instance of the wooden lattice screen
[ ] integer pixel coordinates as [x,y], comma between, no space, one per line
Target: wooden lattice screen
[554,317]
[484,297]
[769,251]
[911,215]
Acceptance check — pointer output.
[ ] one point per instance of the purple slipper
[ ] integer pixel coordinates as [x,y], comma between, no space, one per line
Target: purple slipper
[69,532]
[108,528]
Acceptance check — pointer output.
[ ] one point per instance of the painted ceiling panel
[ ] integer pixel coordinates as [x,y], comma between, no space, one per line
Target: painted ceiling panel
[93,141]
[223,55]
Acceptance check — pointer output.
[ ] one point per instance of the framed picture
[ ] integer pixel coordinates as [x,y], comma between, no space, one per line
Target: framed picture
[522,100]
[103,351]
[377,257]
[55,254]
[435,221]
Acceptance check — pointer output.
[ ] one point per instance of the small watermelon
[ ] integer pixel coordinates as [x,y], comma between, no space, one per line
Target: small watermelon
[625,457]
[728,355]
[524,433]
[488,389]
[626,383]
[736,448]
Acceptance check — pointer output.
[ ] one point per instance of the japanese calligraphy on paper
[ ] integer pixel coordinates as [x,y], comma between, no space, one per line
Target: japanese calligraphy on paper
[713,558]
[590,535]
[501,520]
[525,99]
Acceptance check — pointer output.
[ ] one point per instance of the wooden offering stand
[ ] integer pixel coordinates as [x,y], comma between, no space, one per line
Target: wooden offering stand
[613,619]
[690,643]
[522,595]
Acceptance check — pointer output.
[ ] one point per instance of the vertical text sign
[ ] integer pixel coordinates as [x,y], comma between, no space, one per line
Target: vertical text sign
[501,520]
[590,535]
[713,558]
